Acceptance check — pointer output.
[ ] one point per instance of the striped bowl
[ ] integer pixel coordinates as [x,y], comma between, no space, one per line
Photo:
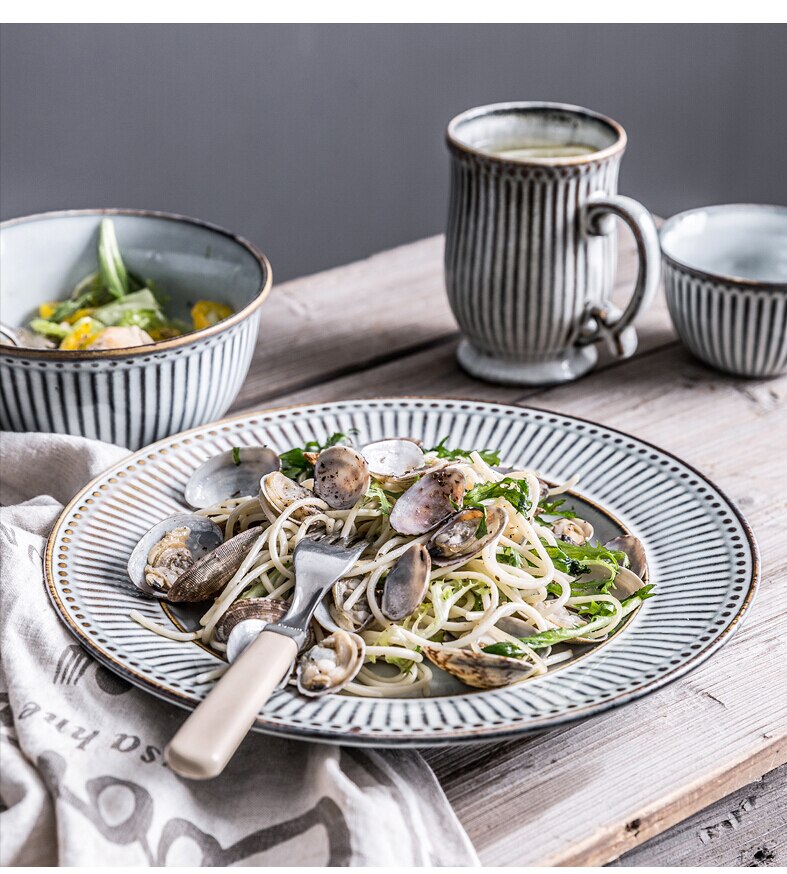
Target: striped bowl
[131,397]
[725,276]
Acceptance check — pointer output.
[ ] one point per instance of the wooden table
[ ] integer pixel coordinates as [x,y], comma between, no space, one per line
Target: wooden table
[587,793]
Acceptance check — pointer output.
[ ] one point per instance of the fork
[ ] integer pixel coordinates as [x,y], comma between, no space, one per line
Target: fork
[261,656]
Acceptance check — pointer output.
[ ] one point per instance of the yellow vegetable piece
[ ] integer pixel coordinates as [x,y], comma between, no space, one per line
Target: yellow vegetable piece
[208,312]
[47,310]
[164,333]
[80,314]
[82,334]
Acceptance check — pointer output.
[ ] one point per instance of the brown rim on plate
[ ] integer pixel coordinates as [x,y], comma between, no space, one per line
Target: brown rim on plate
[161,345]
[390,738]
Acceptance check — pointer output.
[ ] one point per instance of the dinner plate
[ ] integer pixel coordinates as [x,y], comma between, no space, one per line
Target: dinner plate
[702,558]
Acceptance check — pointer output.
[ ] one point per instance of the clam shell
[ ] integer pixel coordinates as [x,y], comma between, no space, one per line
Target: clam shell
[478,669]
[632,546]
[204,536]
[212,572]
[220,477]
[576,531]
[265,609]
[407,582]
[341,477]
[427,503]
[394,459]
[456,542]
[330,665]
[277,492]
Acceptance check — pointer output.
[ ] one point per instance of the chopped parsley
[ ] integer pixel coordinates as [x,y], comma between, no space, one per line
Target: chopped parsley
[555,508]
[515,491]
[294,463]
[442,451]
[508,555]
[236,455]
[377,491]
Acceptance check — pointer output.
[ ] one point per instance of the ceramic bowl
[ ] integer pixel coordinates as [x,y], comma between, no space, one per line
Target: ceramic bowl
[725,276]
[131,397]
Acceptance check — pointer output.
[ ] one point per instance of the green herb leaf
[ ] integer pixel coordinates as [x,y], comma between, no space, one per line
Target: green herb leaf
[555,508]
[49,329]
[111,269]
[112,313]
[377,491]
[573,559]
[508,555]
[515,491]
[482,529]
[294,464]
[442,451]
[236,455]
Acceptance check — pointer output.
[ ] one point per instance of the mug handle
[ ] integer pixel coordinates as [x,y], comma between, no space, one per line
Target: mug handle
[604,321]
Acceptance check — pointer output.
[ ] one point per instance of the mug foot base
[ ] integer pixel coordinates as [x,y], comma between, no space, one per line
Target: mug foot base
[575,363]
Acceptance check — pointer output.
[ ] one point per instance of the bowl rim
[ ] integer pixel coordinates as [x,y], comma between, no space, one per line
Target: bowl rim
[193,337]
[710,275]
[461,147]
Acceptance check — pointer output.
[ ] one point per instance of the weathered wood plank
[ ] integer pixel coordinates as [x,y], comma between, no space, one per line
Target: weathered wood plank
[747,828]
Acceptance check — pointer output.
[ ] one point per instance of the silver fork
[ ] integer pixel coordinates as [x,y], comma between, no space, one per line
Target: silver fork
[260,656]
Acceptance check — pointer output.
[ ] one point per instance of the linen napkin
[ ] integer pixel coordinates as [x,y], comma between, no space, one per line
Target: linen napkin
[82,778]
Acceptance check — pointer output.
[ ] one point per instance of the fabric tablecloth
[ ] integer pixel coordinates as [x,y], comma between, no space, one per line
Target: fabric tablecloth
[82,778]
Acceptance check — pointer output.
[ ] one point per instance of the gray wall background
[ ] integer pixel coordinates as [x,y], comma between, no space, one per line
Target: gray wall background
[324,143]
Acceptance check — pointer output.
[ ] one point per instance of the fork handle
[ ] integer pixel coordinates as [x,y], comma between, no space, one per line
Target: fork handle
[208,739]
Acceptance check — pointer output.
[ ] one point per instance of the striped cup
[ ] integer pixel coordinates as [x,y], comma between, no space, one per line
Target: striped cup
[530,251]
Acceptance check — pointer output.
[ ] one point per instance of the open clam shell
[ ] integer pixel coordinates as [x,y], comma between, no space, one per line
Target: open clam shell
[576,531]
[458,540]
[427,503]
[634,550]
[330,665]
[203,537]
[341,477]
[264,609]
[212,572]
[394,460]
[477,669]
[231,474]
[278,491]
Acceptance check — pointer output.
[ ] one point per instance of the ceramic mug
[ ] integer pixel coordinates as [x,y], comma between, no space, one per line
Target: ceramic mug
[725,278]
[530,251]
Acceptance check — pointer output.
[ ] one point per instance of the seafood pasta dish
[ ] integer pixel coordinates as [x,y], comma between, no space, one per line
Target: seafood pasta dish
[484,572]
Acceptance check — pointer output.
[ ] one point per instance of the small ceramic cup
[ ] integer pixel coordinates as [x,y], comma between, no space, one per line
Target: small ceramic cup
[725,277]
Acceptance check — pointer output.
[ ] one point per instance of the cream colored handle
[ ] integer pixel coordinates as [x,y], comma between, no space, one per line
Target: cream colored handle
[207,740]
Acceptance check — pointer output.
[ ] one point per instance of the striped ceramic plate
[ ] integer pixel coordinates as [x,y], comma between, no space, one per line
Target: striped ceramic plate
[702,555]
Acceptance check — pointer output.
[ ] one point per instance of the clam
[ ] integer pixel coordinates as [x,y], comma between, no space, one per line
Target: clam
[406,583]
[394,460]
[214,570]
[168,549]
[576,531]
[428,502]
[231,474]
[278,491]
[359,615]
[516,627]
[543,489]
[341,477]
[635,552]
[478,669]
[264,609]
[331,664]
[458,540]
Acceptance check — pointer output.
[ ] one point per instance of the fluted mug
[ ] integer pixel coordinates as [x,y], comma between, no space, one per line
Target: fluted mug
[531,252]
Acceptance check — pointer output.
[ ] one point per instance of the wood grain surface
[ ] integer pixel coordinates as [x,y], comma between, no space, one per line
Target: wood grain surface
[588,793]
